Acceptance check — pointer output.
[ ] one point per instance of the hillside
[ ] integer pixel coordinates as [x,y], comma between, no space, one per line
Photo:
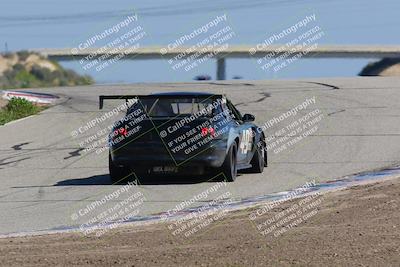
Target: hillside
[383,67]
[28,70]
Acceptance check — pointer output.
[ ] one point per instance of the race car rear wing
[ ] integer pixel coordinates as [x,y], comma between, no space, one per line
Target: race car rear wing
[128,97]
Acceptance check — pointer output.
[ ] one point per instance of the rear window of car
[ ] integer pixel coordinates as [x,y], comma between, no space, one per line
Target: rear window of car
[171,107]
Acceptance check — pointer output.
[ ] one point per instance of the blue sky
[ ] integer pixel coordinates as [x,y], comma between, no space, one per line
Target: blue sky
[58,24]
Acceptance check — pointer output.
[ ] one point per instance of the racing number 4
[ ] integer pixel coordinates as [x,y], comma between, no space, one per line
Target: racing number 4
[245,144]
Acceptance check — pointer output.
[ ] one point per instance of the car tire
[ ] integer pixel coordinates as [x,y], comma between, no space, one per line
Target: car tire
[265,157]
[258,161]
[117,174]
[229,167]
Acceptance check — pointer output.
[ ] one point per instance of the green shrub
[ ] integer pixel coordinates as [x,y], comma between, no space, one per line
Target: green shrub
[18,108]
[25,79]
[18,67]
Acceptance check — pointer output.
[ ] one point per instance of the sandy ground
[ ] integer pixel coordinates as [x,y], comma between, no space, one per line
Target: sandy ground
[359,226]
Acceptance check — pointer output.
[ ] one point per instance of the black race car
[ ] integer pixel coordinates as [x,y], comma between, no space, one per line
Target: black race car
[183,133]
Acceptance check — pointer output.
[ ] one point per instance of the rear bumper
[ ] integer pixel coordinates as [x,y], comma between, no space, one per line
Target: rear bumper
[149,155]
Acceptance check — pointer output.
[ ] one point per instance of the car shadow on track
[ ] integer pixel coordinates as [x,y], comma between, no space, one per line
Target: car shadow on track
[104,179]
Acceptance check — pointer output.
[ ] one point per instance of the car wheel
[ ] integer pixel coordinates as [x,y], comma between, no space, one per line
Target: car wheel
[117,174]
[258,161]
[229,168]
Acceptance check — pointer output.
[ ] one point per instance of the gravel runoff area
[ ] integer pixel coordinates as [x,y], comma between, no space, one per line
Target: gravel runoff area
[358,226]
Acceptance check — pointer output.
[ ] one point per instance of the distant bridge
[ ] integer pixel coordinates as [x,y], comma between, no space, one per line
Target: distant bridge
[233,51]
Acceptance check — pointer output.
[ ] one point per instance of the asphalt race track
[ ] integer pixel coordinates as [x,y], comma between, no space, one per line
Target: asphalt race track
[46,177]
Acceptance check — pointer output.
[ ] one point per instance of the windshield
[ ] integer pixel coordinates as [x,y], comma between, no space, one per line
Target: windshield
[171,107]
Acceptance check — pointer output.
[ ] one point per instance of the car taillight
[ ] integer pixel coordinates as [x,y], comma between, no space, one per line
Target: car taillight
[120,131]
[207,130]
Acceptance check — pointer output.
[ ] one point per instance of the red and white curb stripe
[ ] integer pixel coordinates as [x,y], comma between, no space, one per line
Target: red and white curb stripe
[37,98]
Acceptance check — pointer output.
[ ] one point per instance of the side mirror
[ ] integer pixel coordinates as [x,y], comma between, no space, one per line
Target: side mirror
[248,117]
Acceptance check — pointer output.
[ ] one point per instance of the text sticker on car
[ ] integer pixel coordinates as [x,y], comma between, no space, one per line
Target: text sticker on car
[245,144]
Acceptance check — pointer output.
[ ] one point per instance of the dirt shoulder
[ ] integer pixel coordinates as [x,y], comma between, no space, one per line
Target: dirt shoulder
[359,226]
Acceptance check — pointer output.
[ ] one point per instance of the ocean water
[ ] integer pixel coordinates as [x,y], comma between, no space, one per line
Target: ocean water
[26,24]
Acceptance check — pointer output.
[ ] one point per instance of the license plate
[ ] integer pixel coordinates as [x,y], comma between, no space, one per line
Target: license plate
[165,169]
